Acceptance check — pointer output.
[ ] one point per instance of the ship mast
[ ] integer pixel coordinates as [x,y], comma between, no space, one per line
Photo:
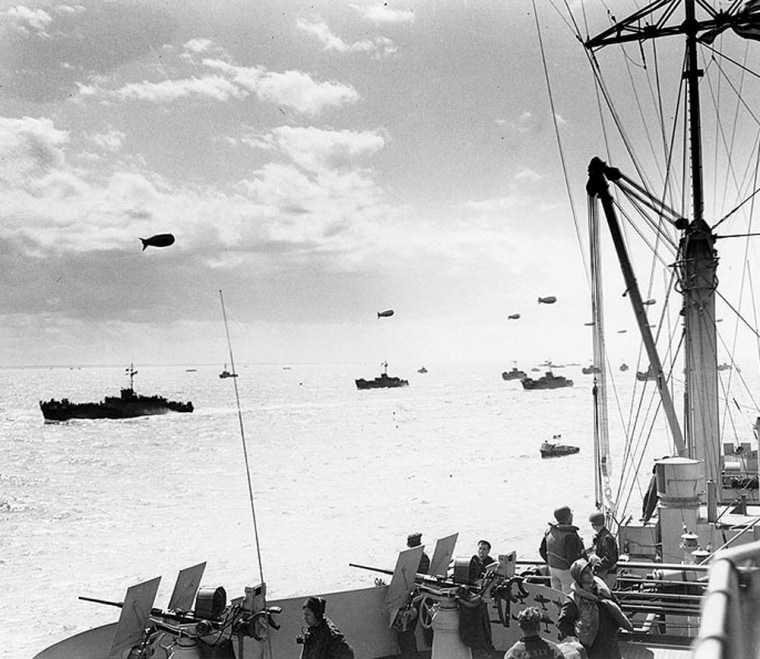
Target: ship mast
[697,256]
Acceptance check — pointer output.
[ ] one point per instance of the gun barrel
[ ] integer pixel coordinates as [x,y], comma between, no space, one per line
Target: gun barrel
[99,601]
[372,569]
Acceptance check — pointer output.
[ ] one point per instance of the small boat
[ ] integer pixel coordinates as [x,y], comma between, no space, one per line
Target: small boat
[422,369]
[514,374]
[555,449]
[227,374]
[125,406]
[383,381]
[547,381]
[624,367]
[724,367]
[588,370]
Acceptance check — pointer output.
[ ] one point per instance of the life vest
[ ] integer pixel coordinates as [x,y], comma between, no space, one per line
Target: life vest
[556,545]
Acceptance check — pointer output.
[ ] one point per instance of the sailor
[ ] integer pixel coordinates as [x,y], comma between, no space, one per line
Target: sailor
[322,639]
[560,546]
[591,614]
[604,551]
[415,540]
[475,619]
[480,561]
[531,645]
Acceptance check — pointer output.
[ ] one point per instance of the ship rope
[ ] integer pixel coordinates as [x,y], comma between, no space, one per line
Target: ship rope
[244,444]
[558,138]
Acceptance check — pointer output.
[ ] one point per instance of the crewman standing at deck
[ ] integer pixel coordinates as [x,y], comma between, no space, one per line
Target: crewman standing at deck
[560,547]
[604,551]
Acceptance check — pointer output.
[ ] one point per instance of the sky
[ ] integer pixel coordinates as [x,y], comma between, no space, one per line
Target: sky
[317,162]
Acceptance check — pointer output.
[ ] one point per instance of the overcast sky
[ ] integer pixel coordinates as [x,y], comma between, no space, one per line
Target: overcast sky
[318,162]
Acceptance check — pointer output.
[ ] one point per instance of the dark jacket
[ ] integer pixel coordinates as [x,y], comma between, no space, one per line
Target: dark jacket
[606,550]
[605,638]
[561,546]
[477,568]
[325,641]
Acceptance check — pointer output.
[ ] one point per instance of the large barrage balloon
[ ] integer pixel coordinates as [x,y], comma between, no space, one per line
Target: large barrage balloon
[159,240]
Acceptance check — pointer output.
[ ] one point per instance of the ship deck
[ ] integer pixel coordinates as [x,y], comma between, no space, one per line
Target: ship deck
[633,651]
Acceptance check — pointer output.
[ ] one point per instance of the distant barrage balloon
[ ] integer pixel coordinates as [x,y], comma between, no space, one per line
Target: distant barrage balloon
[513,316]
[649,302]
[385,314]
[159,240]
[547,300]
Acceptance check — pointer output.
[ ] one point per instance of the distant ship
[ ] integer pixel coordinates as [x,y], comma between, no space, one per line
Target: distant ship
[514,374]
[126,406]
[383,381]
[422,369]
[588,370]
[555,448]
[548,381]
[226,374]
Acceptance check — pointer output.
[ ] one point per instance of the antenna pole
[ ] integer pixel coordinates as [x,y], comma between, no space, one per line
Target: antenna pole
[242,439]
[693,74]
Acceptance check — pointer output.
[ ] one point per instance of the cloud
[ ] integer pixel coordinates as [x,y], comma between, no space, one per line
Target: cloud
[217,88]
[203,47]
[292,89]
[29,149]
[29,21]
[381,13]
[318,150]
[44,55]
[110,141]
[528,175]
[380,46]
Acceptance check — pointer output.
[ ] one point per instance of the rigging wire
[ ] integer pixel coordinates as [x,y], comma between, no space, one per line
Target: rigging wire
[557,135]
[243,442]
[754,306]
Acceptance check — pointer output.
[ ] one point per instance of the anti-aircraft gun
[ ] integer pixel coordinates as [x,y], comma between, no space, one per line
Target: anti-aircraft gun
[197,623]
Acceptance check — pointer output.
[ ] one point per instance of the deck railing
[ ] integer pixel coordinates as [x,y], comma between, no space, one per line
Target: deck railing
[730,627]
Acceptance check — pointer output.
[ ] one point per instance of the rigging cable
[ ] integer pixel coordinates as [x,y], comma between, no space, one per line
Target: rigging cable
[557,135]
[245,449]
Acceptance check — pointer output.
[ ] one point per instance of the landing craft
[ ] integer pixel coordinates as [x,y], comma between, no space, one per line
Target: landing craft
[385,314]
[547,300]
[513,316]
[159,240]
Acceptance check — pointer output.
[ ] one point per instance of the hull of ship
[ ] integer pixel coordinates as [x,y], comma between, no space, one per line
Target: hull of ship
[61,412]
[371,384]
[362,617]
[559,451]
[535,384]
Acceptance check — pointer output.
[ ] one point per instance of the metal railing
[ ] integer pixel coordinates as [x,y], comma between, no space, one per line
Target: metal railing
[730,627]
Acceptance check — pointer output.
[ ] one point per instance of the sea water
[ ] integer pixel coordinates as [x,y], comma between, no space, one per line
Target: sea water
[337,475]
